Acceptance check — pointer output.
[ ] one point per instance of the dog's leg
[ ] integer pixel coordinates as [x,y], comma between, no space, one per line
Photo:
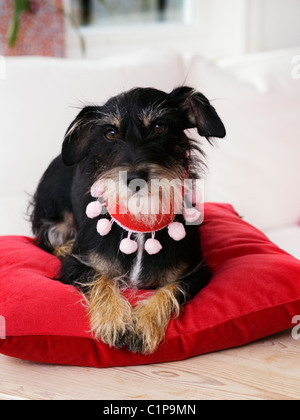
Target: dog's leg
[62,251]
[151,317]
[110,313]
[52,217]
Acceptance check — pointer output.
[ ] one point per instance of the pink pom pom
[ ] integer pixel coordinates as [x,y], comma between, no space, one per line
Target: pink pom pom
[104,227]
[128,246]
[191,215]
[97,189]
[177,231]
[94,210]
[153,246]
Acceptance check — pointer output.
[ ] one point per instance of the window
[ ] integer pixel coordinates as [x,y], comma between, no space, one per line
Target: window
[120,12]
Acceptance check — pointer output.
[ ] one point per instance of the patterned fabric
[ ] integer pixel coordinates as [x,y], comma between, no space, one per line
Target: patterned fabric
[40,32]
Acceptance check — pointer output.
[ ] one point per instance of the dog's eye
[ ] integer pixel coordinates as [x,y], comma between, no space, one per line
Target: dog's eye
[111,134]
[160,128]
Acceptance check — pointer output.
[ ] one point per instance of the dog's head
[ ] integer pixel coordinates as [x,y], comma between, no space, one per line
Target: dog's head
[141,133]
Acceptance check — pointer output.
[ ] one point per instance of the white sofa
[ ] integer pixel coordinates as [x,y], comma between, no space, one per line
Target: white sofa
[256,168]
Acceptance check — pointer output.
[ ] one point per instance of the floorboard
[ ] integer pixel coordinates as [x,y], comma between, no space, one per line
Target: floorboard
[265,370]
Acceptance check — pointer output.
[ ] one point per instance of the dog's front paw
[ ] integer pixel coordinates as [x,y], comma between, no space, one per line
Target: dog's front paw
[112,331]
[110,314]
[151,319]
[111,325]
[149,329]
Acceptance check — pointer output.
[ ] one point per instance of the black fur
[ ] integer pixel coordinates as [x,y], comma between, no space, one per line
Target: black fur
[64,191]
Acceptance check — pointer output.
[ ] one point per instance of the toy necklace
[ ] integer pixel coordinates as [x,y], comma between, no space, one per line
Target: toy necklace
[128,222]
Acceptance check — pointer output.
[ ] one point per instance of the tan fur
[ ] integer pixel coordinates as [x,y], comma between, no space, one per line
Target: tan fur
[114,321]
[151,317]
[112,119]
[152,113]
[110,313]
[64,250]
[109,268]
[62,234]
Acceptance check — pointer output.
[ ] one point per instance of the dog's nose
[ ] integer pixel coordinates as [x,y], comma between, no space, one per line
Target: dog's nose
[136,176]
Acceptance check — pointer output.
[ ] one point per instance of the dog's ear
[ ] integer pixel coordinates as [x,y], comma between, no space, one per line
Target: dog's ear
[199,113]
[78,136]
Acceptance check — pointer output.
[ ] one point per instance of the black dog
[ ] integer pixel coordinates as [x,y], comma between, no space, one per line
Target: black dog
[142,133]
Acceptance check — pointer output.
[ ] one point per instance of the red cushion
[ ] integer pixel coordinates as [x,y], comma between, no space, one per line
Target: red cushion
[255,292]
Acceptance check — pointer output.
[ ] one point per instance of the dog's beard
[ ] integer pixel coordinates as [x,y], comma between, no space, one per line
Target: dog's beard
[146,201]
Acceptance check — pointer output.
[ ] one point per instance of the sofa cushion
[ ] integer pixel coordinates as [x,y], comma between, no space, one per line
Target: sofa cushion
[254,292]
[287,238]
[256,168]
[267,71]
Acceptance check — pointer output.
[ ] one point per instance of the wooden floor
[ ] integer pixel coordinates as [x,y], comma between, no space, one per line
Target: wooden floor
[268,369]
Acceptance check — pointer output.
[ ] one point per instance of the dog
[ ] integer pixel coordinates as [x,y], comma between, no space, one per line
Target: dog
[142,133]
